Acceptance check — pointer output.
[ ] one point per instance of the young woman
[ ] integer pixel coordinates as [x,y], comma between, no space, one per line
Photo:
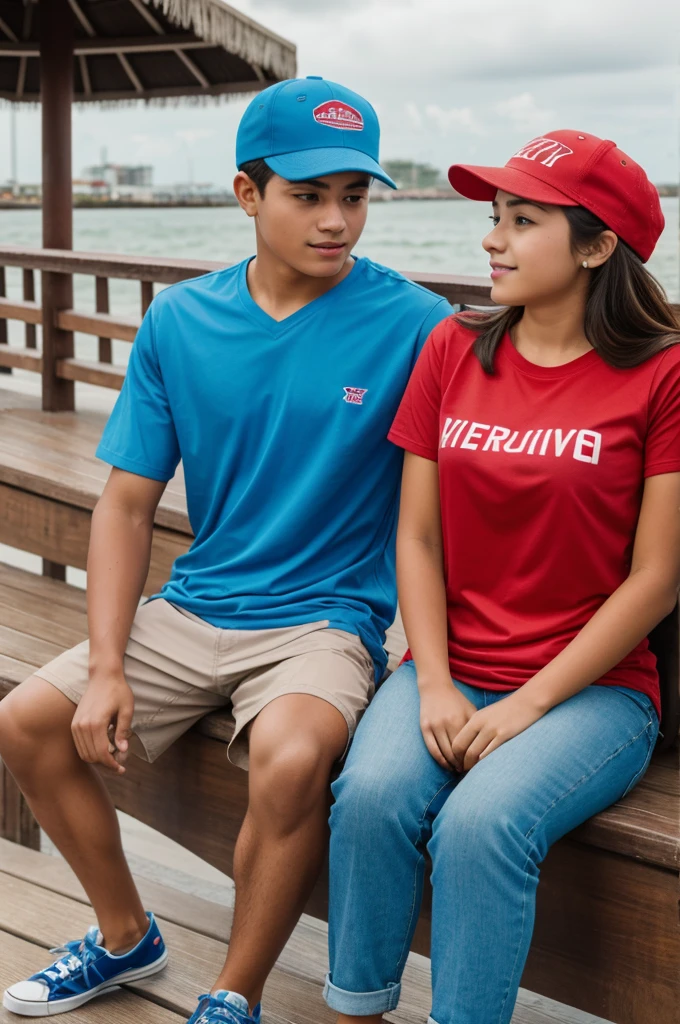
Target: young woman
[539,543]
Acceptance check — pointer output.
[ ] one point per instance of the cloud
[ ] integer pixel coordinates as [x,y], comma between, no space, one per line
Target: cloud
[414,116]
[452,117]
[469,80]
[195,135]
[151,147]
[523,111]
[478,39]
[304,7]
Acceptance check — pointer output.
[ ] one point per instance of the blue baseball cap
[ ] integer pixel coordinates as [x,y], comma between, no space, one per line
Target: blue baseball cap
[307,127]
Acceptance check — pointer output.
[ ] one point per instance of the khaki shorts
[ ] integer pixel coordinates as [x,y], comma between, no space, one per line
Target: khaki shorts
[179,668]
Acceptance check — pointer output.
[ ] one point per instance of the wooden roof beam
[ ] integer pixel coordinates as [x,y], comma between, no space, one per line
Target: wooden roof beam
[85,75]
[82,17]
[21,77]
[8,31]
[126,44]
[130,72]
[28,20]
[172,92]
[148,16]
[195,71]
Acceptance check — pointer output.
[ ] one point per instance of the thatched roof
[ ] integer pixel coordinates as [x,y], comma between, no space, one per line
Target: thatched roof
[153,50]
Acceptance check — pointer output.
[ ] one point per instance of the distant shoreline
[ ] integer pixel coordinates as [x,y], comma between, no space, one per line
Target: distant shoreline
[119,204]
[386,196]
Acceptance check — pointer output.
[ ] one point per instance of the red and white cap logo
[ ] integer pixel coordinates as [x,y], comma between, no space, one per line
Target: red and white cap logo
[544,151]
[335,114]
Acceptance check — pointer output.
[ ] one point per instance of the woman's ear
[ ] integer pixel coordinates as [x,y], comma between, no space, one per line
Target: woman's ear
[600,251]
[246,193]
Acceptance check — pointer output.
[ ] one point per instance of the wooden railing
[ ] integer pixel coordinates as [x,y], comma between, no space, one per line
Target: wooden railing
[56,361]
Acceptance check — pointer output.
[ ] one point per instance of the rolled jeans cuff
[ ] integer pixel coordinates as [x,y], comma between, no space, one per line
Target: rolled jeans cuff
[362,1004]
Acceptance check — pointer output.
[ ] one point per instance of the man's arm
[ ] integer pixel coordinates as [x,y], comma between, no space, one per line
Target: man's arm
[117,567]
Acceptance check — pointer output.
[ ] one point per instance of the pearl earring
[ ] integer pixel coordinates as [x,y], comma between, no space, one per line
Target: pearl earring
[585,264]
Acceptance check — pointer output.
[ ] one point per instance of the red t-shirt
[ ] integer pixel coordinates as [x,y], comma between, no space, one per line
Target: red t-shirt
[541,471]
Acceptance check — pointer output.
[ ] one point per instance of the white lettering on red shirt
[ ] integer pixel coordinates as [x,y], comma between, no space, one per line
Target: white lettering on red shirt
[584,445]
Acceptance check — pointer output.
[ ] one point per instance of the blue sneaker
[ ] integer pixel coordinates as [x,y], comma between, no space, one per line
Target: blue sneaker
[85,970]
[224,1007]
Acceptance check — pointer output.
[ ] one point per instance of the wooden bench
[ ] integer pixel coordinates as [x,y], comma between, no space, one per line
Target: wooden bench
[607,937]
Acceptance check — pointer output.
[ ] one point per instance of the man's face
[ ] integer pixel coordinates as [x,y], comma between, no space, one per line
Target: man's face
[312,226]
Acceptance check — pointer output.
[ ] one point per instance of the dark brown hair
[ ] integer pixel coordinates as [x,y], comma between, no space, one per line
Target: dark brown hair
[259,173]
[628,318]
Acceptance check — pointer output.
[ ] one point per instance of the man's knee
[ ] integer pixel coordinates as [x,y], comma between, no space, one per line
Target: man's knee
[33,718]
[289,779]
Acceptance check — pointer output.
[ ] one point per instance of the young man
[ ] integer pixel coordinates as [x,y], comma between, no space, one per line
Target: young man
[275,381]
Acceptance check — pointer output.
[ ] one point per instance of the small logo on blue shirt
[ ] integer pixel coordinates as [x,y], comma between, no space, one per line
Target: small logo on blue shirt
[355,396]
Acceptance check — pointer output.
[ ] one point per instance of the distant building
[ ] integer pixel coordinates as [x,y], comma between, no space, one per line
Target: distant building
[117,175]
[408,174]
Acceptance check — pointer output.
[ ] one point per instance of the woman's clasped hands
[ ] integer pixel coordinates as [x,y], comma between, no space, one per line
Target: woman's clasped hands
[458,735]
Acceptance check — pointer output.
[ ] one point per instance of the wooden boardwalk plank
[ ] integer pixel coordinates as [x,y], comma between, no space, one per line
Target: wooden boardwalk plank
[44,609]
[54,874]
[42,587]
[13,671]
[294,992]
[41,916]
[23,621]
[117,1007]
[25,648]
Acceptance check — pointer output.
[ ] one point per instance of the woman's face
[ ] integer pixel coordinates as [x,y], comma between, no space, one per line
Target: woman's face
[530,252]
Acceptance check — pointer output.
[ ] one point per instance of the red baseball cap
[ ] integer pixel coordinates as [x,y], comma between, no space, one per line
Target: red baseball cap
[569,168]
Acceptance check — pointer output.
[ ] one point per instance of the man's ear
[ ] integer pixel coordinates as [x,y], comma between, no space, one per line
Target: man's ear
[247,194]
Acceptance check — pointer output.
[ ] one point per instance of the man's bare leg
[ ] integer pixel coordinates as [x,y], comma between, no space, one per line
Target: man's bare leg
[373,1019]
[71,804]
[294,743]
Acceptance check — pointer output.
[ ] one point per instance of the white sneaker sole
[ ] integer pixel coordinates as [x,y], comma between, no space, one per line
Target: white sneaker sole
[28,1008]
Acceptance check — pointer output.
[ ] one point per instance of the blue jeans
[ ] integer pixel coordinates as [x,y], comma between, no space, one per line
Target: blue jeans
[486,832]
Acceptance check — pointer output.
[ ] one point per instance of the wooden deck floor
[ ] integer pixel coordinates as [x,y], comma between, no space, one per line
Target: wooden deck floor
[42,905]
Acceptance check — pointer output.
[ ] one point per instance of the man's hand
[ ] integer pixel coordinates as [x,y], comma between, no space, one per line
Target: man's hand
[444,711]
[489,728]
[101,724]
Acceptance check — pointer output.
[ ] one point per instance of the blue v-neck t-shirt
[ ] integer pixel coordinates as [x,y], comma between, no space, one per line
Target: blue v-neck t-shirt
[281,427]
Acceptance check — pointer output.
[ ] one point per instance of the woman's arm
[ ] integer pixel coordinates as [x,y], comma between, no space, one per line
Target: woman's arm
[422,599]
[643,599]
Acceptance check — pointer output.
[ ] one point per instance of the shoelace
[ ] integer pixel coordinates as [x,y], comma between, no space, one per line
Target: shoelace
[77,958]
[227,1014]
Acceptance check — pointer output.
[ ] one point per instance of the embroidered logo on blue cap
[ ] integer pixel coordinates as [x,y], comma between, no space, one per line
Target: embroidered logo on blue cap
[339,115]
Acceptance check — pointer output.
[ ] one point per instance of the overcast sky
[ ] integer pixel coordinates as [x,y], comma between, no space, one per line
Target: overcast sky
[452,80]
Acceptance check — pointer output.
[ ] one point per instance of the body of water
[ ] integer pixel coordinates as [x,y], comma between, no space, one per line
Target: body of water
[426,235]
[443,237]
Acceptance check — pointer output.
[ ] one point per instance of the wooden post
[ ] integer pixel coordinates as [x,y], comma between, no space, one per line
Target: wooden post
[56,89]
[29,295]
[102,305]
[16,821]
[147,296]
[3,323]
